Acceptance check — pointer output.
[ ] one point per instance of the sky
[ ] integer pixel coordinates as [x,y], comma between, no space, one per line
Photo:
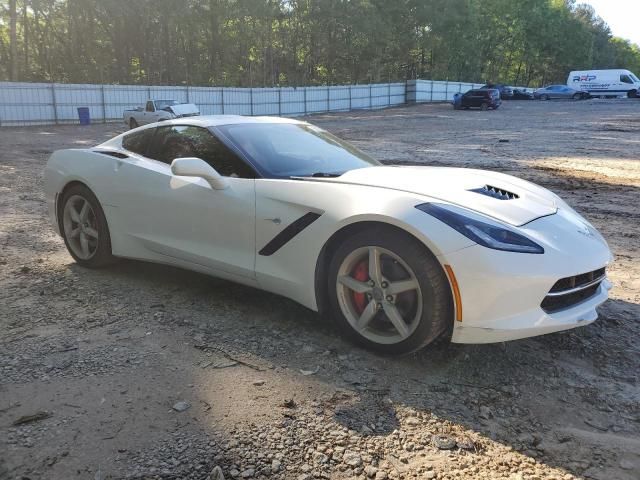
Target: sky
[622,16]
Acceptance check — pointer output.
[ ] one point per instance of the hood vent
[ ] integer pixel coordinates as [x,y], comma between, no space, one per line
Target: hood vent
[495,192]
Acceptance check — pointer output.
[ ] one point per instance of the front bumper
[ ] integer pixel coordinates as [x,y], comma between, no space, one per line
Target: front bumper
[501,292]
[533,322]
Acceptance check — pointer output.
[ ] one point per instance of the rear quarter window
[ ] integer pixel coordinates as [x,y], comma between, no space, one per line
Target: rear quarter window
[138,142]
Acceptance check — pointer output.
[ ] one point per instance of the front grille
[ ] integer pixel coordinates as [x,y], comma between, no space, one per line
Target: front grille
[577,280]
[570,291]
[495,192]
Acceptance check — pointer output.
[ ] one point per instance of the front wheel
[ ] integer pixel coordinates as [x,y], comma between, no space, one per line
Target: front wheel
[632,93]
[133,123]
[84,228]
[577,96]
[484,106]
[544,97]
[388,292]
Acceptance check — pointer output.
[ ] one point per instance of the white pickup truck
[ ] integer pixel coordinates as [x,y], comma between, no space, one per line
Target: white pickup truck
[158,110]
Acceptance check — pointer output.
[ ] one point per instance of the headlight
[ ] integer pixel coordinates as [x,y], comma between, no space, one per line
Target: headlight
[485,234]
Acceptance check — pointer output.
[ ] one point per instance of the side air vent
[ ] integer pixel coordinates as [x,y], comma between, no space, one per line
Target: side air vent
[495,192]
[112,153]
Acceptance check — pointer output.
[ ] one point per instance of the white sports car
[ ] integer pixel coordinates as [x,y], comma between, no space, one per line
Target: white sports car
[399,256]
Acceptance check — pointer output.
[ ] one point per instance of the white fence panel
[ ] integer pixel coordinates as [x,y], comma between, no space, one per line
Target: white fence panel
[208,99]
[360,96]
[292,101]
[169,93]
[27,103]
[71,96]
[398,93]
[266,101]
[339,99]
[237,101]
[317,99]
[379,95]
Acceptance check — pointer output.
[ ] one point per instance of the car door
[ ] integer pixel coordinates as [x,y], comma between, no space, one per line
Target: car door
[475,98]
[567,92]
[467,99]
[149,115]
[184,219]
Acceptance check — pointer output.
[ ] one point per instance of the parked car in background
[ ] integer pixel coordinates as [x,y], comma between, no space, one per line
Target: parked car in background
[605,82]
[483,99]
[519,94]
[559,91]
[506,92]
[158,110]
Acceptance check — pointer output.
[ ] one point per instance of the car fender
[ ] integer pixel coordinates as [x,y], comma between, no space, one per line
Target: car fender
[291,269]
[77,165]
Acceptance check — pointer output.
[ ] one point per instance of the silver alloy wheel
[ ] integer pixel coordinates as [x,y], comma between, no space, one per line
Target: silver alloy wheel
[386,307]
[79,224]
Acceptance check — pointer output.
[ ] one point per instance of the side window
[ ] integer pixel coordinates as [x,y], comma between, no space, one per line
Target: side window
[182,141]
[625,79]
[138,142]
[149,107]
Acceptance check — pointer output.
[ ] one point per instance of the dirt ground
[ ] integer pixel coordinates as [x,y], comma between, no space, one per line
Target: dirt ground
[102,357]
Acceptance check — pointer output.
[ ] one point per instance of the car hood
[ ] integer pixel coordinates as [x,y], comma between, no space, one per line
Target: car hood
[465,187]
[184,109]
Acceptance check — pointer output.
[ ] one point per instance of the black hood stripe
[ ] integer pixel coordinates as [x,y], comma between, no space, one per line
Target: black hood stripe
[288,233]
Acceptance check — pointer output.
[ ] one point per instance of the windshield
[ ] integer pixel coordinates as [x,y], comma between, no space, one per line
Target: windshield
[634,78]
[162,104]
[283,150]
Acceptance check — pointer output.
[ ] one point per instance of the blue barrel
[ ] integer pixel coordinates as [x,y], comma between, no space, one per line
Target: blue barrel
[83,115]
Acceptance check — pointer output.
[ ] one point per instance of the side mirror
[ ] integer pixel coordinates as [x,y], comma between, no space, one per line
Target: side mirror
[196,167]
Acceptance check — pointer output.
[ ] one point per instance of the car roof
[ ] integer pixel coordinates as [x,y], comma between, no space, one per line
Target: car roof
[218,120]
[206,121]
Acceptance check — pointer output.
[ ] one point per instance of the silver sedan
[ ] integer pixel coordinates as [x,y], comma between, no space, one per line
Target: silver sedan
[559,91]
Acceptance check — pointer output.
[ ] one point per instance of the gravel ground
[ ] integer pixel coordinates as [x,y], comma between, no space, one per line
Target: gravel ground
[146,371]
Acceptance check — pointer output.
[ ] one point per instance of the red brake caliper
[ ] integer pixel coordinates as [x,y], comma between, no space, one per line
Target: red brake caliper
[360,273]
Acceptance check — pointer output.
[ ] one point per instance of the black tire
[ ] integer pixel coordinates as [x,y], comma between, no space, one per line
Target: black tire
[577,96]
[484,106]
[496,107]
[435,316]
[102,255]
[632,94]
[544,97]
[132,123]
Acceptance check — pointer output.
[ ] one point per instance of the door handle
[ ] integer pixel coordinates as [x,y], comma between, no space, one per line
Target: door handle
[276,220]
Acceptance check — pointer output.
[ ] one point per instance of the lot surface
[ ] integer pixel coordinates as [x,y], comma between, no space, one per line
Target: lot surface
[274,392]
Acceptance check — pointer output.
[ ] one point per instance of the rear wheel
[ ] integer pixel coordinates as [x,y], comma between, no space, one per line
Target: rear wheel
[577,96]
[132,123]
[84,228]
[544,97]
[388,292]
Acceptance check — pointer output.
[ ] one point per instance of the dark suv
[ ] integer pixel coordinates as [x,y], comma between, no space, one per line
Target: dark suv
[480,98]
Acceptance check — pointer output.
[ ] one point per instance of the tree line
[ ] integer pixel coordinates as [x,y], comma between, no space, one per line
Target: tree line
[304,42]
